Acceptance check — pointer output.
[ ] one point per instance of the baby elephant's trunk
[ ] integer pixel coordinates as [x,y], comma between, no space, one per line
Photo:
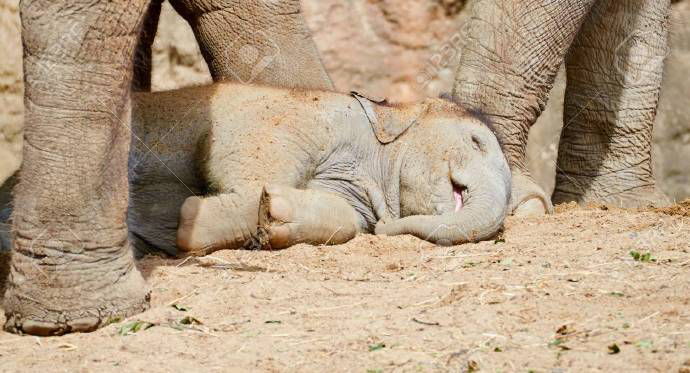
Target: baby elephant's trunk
[485,206]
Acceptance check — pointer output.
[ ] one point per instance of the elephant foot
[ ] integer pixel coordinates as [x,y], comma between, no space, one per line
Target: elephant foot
[195,234]
[276,213]
[36,320]
[213,223]
[289,216]
[55,295]
[643,196]
[631,187]
[527,198]
[200,227]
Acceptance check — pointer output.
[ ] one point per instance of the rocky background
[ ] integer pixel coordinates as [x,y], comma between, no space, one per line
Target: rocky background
[399,49]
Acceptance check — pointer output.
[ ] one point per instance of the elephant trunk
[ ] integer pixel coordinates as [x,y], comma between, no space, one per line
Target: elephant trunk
[486,194]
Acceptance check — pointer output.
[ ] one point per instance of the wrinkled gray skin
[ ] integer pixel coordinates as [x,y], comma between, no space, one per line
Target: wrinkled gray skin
[613,51]
[329,165]
[72,267]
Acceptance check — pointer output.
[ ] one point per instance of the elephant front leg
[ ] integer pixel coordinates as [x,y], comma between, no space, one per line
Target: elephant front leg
[72,268]
[289,216]
[513,51]
[614,75]
[256,42]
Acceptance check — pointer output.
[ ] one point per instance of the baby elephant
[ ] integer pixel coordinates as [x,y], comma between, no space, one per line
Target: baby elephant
[266,167]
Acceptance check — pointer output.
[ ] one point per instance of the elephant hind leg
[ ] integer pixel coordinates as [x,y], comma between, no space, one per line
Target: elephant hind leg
[141,81]
[256,41]
[224,221]
[72,267]
[614,75]
[290,216]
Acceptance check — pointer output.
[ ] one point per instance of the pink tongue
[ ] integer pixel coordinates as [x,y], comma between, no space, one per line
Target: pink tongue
[458,199]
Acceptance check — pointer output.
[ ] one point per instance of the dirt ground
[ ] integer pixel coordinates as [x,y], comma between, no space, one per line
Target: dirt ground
[561,293]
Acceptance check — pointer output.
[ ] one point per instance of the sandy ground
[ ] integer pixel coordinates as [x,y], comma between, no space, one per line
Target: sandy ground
[556,294]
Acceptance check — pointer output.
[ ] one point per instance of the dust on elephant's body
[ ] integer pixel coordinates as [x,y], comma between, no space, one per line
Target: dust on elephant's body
[330,165]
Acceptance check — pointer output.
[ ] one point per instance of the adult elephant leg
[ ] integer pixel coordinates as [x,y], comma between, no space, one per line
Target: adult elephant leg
[5,231]
[72,268]
[256,41]
[507,68]
[141,82]
[614,76]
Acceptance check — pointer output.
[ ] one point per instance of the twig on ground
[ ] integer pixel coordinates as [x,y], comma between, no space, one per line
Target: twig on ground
[333,308]
[182,298]
[432,323]
[647,318]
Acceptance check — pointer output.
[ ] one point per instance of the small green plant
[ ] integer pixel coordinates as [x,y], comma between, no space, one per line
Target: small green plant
[134,327]
[190,320]
[640,257]
[185,323]
[645,343]
[376,347]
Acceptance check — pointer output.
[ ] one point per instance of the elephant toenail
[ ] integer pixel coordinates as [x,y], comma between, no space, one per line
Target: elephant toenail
[85,324]
[41,328]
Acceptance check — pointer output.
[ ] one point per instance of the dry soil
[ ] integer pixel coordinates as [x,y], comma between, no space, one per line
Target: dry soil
[562,293]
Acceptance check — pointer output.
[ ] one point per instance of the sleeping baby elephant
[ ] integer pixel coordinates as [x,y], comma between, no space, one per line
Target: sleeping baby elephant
[267,167]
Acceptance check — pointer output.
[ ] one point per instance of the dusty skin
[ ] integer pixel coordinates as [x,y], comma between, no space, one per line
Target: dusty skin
[561,292]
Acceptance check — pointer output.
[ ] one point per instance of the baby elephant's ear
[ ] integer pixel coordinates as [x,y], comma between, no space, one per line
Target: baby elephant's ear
[388,122]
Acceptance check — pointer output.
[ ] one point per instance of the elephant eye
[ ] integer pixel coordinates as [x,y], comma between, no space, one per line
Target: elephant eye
[477,143]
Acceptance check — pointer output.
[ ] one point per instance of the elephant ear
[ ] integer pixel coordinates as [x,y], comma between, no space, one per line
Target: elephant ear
[388,122]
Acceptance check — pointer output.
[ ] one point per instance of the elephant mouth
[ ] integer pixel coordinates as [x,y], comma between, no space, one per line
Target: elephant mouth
[459,192]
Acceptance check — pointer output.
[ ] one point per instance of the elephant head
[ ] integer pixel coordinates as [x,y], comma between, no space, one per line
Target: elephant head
[454,179]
